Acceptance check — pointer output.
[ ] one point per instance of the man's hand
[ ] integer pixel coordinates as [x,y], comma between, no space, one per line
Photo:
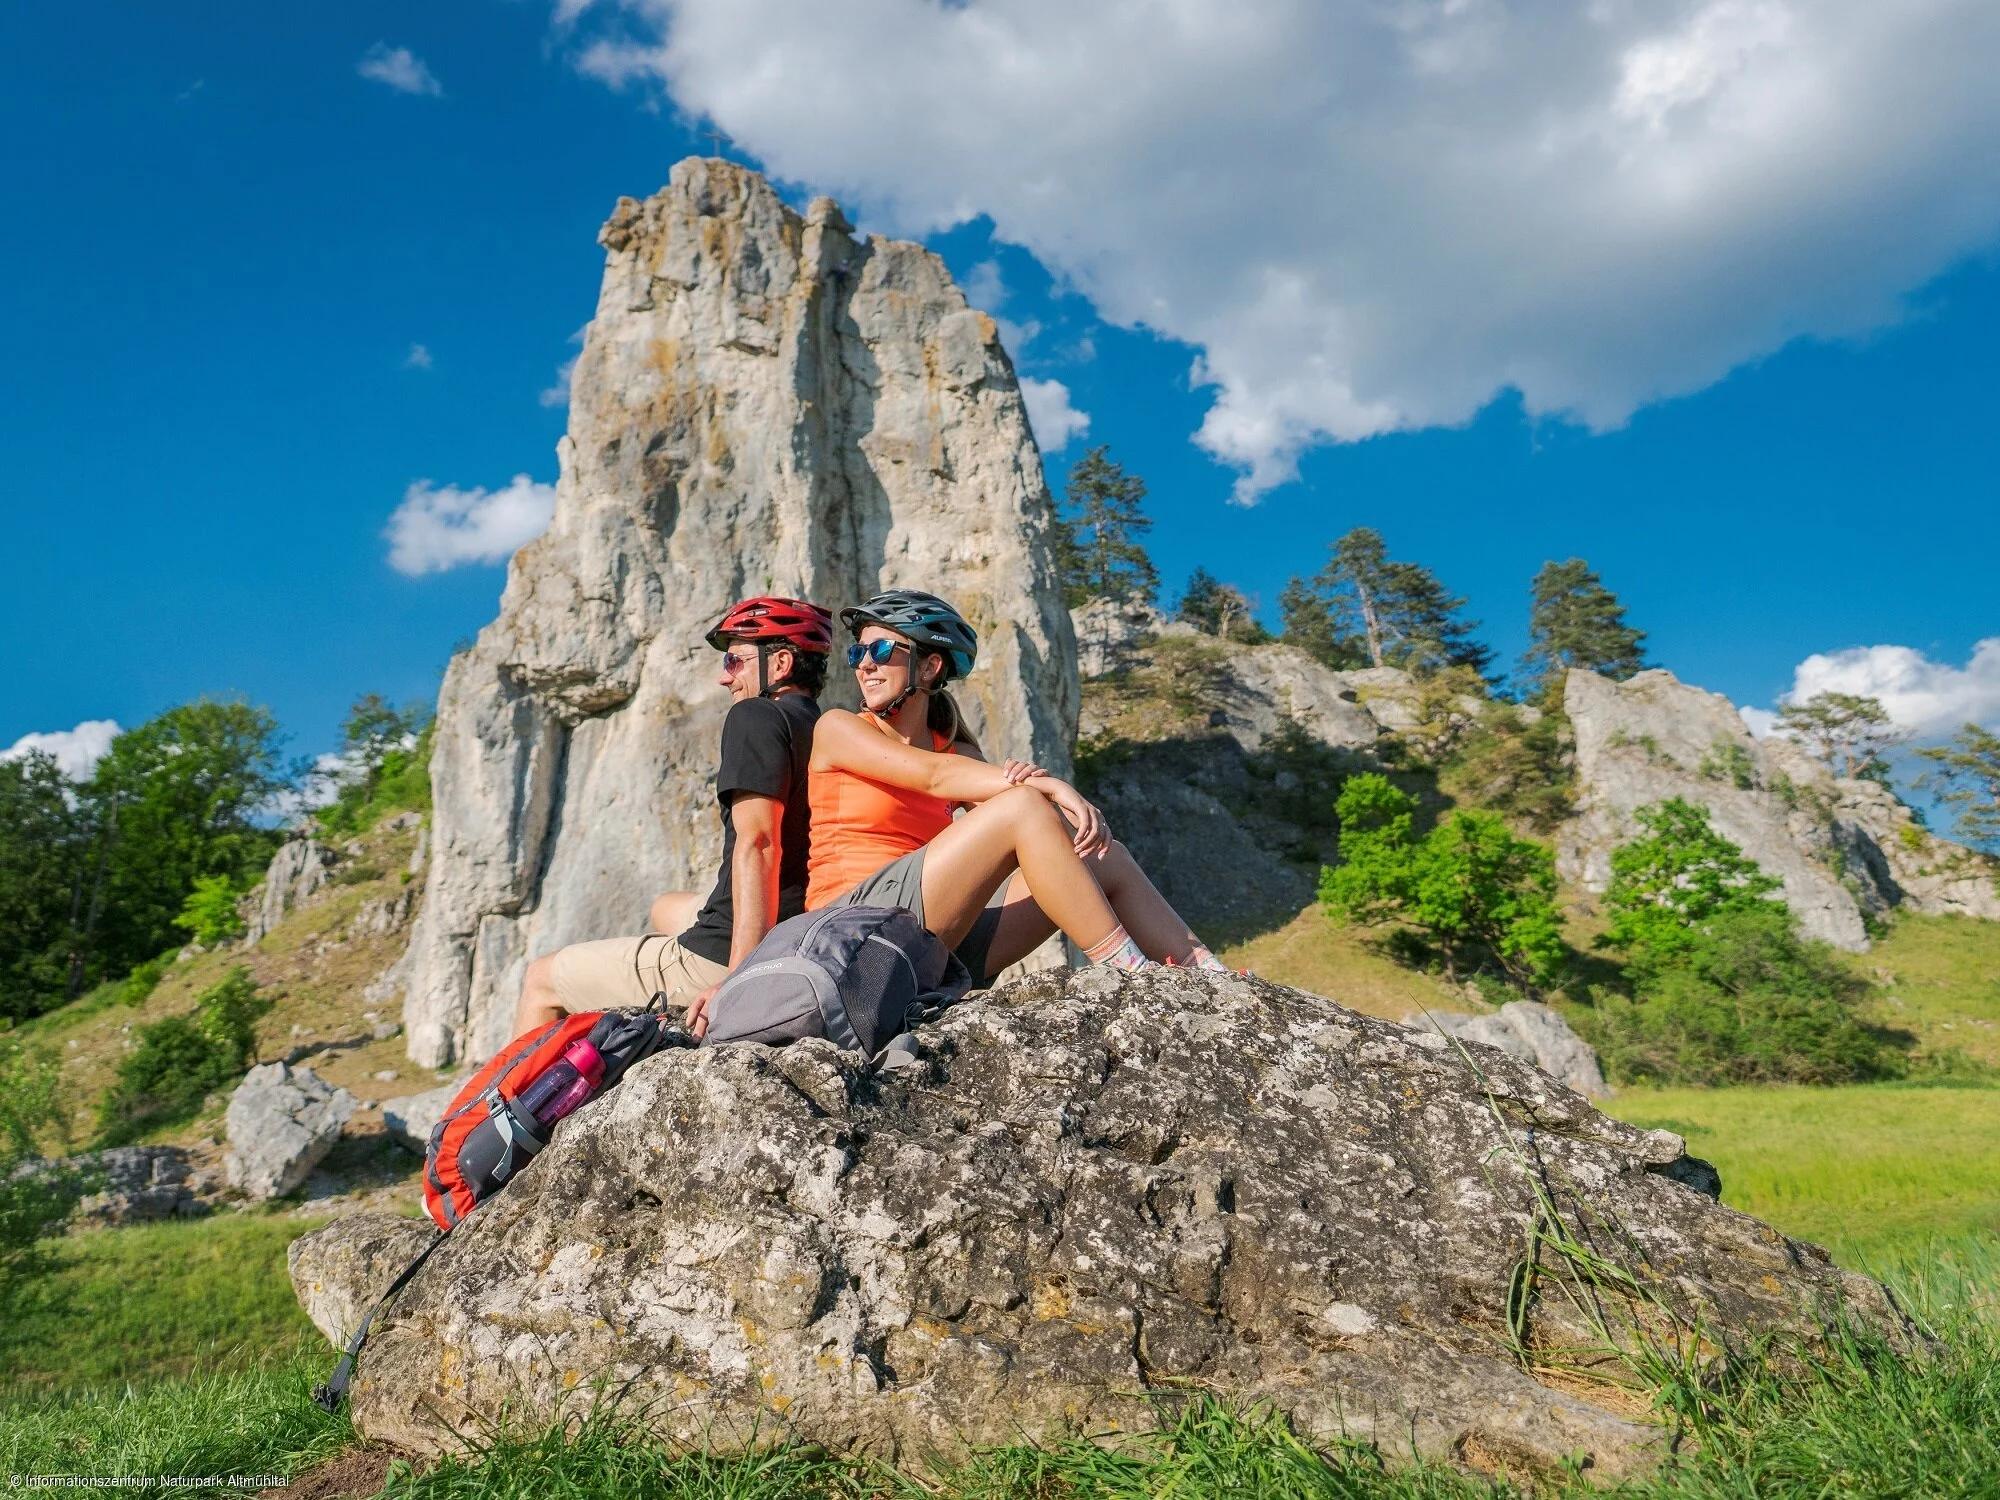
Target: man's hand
[696,1020]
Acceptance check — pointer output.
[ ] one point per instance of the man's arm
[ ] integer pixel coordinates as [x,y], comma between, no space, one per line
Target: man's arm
[753,885]
[753,876]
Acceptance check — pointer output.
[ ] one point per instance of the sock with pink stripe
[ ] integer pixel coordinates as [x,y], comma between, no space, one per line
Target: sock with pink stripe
[1118,951]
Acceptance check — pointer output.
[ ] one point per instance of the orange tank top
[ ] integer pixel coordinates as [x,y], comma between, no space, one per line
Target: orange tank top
[859,825]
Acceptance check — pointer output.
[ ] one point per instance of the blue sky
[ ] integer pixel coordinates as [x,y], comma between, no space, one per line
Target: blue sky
[225,242]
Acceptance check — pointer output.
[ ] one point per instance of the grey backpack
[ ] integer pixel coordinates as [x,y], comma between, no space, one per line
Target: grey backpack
[860,976]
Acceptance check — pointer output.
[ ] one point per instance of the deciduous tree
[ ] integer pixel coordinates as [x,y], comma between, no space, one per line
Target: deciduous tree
[1470,884]
[45,847]
[174,800]
[1666,886]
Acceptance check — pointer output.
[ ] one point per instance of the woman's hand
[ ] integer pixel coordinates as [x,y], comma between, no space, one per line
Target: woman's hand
[1092,835]
[1018,771]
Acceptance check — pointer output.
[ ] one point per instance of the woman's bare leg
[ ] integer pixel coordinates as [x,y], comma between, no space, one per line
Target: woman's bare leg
[1019,829]
[674,913]
[1154,924]
[1023,928]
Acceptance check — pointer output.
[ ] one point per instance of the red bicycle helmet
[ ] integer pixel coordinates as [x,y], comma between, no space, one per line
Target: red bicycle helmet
[774,621]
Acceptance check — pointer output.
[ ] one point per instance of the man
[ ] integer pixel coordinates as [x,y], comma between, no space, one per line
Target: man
[774,655]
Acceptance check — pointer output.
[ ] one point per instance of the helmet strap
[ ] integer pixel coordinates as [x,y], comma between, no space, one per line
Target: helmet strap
[896,704]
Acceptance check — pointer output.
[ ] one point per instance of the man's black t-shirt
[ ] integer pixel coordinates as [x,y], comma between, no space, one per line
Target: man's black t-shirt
[766,744]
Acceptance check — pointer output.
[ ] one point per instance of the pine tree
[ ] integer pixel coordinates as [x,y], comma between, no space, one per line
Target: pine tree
[1098,551]
[1847,732]
[1217,608]
[1575,621]
[1308,624]
[1388,613]
[1968,778]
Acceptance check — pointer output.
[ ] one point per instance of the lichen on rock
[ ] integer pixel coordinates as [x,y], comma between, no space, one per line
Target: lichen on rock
[1098,1191]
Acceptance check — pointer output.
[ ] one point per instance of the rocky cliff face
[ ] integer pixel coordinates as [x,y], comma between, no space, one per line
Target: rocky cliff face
[1095,1187]
[1841,847]
[764,403]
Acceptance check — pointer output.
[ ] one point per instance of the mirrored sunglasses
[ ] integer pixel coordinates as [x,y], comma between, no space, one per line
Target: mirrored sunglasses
[880,652]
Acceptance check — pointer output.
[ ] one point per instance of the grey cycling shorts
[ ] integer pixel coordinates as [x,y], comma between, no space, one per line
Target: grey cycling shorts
[900,883]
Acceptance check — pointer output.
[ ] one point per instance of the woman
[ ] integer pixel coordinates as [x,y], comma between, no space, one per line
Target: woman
[1030,855]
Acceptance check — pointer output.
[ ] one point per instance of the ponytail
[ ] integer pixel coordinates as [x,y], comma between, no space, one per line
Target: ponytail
[942,715]
[945,719]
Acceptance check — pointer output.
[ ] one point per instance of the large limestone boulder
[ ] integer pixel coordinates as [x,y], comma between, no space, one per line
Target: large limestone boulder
[337,1278]
[1653,737]
[764,402]
[1095,1187]
[1842,847]
[299,872]
[282,1120]
[1534,1033]
[411,1118]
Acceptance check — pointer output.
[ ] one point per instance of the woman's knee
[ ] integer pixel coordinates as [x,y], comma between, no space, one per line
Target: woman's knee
[1024,805]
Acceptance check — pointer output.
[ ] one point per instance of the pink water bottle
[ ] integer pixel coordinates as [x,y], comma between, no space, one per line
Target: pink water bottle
[569,1081]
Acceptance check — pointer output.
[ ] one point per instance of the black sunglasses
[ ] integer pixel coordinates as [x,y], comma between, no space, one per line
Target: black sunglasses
[880,652]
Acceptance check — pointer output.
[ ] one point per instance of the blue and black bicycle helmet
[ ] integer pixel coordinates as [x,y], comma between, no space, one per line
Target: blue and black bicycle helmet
[927,620]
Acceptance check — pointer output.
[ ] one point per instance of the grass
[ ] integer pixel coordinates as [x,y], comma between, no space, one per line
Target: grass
[156,1301]
[1868,1171]
[1940,978]
[1313,952]
[250,1421]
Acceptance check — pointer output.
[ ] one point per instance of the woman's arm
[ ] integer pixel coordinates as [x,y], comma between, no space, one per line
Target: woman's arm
[842,742]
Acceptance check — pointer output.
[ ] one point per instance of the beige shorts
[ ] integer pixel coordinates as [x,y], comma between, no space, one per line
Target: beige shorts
[624,973]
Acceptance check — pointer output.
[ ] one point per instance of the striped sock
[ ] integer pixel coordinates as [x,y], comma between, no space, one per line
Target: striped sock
[1118,951]
[1201,958]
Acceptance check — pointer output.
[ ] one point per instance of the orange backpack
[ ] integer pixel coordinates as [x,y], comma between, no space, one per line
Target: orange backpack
[487,1134]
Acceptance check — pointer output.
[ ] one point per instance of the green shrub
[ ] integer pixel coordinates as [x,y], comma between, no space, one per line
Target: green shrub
[1667,886]
[1746,1000]
[209,914]
[145,978]
[1728,761]
[1513,767]
[388,769]
[33,1204]
[181,1060]
[1470,885]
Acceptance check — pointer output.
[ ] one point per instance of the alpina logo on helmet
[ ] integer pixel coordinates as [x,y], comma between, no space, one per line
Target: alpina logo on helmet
[925,620]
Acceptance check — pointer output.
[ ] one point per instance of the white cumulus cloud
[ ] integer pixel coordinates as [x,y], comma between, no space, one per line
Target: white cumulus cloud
[1054,420]
[439,527]
[1928,698]
[77,751]
[1375,216]
[419,358]
[400,68]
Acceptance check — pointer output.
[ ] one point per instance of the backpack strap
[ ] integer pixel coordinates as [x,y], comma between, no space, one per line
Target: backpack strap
[329,1396]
